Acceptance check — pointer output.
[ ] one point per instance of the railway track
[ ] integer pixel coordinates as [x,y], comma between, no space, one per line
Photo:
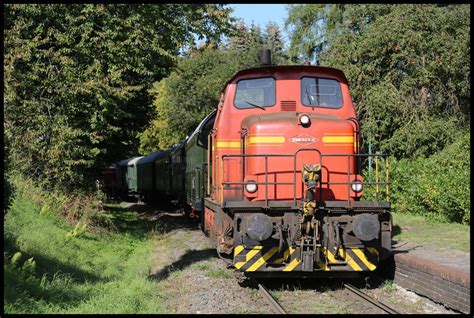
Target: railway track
[278,309]
[274,304]
[370,299]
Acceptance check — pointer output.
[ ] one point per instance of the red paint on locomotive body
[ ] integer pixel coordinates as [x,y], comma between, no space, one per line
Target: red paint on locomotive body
[276,130]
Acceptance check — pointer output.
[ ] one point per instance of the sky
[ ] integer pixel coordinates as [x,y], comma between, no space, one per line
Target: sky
[261,14]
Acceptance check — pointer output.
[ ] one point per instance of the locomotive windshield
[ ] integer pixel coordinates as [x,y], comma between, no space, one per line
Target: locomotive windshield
[257,92]
[321,92]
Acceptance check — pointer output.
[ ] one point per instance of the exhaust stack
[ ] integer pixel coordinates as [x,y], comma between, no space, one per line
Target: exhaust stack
[265,57]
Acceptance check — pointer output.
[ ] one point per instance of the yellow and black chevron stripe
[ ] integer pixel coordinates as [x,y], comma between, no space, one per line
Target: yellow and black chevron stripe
[252,259]
[358,259]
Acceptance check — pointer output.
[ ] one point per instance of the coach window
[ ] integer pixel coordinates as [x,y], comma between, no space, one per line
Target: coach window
[255,93]
[321,92]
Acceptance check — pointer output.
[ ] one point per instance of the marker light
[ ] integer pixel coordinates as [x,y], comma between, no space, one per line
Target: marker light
[305,121]
[251,186]
[356,186]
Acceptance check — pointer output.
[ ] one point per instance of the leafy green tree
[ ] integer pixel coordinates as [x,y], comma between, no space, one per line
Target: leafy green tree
[188,94]
[273,40]
[408,67]
[409,71]
[193,89]
[311,27]
[77,79]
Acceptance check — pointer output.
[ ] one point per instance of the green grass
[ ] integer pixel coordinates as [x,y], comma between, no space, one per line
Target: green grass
[388,285]
[419,230]
[219,273]
[202,266]
[105,272]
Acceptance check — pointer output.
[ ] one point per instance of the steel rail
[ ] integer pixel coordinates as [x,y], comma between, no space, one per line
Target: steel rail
[276,307]
[371,300]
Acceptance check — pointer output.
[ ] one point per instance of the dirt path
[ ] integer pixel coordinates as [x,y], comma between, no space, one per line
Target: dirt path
[190,276]
[192,279]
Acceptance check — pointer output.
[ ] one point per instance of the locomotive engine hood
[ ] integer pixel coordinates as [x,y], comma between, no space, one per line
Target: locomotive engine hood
[285,129]
[280,144]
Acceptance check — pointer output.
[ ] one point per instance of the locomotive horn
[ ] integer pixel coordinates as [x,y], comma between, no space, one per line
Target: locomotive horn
[266,57]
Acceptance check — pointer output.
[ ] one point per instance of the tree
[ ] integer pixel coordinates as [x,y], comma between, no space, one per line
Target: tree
[193,89]
[77,80]
[408,67]
[273,40]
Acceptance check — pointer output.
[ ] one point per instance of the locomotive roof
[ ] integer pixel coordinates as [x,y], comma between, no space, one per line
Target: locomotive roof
[271,69]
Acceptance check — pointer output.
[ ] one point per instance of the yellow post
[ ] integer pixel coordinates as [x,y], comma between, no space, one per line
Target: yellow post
[376,174]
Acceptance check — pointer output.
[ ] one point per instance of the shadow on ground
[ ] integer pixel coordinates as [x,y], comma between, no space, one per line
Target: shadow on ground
[48,265]
[320,284]
[140,219]
[20,287]
[184,261]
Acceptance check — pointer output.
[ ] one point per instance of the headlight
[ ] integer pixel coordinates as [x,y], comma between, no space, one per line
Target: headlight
[251,186]
[356,186]
[304,120]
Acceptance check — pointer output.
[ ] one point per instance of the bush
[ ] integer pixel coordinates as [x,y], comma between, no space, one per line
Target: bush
[82,208]
[437,187]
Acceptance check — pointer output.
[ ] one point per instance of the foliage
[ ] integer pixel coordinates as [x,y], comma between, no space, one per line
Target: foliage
[436,187]
[310,28]
[193,89]
[7,191]
[408,67]
[409,72]
[76,80]
[44,272]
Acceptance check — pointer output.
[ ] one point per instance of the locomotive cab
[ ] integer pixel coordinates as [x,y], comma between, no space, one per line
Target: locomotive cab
[285,175]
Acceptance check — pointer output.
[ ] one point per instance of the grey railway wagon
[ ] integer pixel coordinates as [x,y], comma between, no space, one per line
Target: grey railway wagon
[122,175]
[163,173]
[177,156]
[146,174]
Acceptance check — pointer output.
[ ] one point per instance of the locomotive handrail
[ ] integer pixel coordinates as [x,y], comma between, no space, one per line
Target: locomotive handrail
[349,183]
[321,183]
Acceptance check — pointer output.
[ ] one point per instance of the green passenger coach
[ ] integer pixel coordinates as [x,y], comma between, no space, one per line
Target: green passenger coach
[132,175]
[196,171]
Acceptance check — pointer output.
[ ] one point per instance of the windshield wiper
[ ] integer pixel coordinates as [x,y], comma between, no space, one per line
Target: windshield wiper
[252,104]
[310,98]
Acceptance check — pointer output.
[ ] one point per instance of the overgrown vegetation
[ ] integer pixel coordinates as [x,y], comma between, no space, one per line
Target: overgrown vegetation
[76,80]
[87,85]
[409,72]
[437,187]
[53,266]
[193,89]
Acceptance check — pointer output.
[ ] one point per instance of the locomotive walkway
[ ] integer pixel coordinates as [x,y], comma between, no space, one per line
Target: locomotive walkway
[441,275]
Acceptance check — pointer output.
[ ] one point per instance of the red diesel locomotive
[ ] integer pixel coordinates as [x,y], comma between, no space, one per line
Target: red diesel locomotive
[284,185]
